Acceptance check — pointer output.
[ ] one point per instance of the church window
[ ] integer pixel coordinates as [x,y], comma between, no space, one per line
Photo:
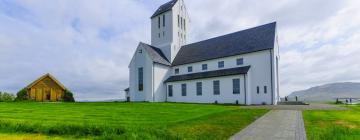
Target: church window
[265,89]
[198,88]
[204,66]
[190,68]
[216,87]
[220,64]
[184,24]
[164,20]
[183,89]
[181,21]
[159,22]
[257,90]
[177,71]
[239,61]
[141,80]
[170,90]
[236,86]
[178,20]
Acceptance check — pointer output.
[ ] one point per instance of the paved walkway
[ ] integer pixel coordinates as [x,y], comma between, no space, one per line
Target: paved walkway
[275,125]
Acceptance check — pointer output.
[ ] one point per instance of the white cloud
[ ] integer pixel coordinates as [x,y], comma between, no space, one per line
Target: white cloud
[87,44]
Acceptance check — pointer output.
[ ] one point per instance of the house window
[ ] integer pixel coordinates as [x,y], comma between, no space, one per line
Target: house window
[220,64]
[178,21]
[159,22]
[140,51]
[190,69]
[239,61]
[141,80]
[170,88]
[199,88]
[183,89]
[216,86]
[257,90]
[159,35]
[236,86]
[163,33]
[265,89]
[177,71]
[204,66]
[164,20]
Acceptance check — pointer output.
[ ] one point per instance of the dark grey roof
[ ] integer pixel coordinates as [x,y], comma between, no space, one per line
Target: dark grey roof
[156,54]
[209,74]
[163,8]
[245,41]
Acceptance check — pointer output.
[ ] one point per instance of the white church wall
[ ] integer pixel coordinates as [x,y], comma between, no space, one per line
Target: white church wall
[140,60]
[226,91]
[260,72]
[161,73]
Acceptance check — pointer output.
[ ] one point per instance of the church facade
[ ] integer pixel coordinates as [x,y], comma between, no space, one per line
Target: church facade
[237,68]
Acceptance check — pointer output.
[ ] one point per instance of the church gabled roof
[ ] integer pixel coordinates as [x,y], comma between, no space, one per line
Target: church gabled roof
[43,77]
[241,42]
[164,8]
[156,54]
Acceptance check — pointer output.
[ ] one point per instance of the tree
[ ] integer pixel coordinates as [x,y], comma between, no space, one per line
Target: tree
[22,95]
[68,96]
[6,97]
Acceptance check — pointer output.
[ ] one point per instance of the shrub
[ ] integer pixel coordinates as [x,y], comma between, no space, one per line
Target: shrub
[68,96]
[6,97]
[22,95]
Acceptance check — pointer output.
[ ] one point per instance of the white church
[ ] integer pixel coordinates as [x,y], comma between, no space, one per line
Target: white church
[236,68]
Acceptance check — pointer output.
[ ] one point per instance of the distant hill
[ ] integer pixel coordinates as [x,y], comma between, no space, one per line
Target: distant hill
[328,92]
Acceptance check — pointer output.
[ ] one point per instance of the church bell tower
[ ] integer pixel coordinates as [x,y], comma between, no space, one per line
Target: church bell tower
[169,25]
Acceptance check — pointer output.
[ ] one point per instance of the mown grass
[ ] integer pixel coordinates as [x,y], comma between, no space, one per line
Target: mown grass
[333,124]
[124,120]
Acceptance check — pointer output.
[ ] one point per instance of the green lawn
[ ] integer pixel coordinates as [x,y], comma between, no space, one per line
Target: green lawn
[333,125]
[123,120]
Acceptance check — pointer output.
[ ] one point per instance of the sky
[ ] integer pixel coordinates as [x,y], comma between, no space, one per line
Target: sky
[88,44]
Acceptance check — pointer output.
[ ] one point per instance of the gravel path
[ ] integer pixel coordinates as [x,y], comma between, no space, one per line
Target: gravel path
[275,125]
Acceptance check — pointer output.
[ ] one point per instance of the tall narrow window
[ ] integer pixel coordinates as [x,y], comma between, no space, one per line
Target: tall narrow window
[183,89]
[184,24]
[181,23]
[178,21]
[141,80]
[265,89]
[190,69]
[199,88]
[216,86]
[170,88]
[159,22]
[257,90]
[236,86]
[204,66]
[220,64]
[177,71]
[164,20]
[239,61]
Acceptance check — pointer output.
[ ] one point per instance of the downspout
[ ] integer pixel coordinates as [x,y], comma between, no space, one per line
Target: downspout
[153,93]
[271,76]
[245,87]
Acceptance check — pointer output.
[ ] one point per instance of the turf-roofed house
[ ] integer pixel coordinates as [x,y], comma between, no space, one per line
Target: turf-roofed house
[238,68]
